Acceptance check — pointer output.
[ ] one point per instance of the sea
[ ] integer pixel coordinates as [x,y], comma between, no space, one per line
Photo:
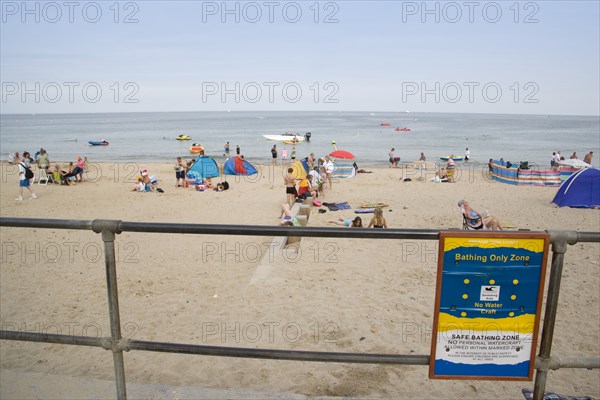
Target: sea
[150,137]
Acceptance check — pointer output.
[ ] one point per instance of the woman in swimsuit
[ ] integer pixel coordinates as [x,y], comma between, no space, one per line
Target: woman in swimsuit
[352,223]
[378,221]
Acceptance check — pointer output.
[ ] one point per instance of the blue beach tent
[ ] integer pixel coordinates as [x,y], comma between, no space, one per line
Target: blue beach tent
[204,167]
[237,166]
[582,190]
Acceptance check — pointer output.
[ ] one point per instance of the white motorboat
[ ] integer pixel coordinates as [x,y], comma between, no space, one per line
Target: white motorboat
[285,138]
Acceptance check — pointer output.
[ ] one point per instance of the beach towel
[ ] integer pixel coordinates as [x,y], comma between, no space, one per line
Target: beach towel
[331,206]
[337,206]
[365,211]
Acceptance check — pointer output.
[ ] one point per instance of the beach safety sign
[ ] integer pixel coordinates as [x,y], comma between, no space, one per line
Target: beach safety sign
[487,306]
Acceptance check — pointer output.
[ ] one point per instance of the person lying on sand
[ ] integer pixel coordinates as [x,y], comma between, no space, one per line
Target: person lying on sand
[352,223]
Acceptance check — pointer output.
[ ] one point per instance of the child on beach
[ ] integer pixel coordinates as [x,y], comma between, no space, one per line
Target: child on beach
[180,168]
[378,221]
[352,223]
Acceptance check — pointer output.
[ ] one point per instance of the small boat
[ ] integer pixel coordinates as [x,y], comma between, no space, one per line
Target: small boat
[446,158]
[183,137]
[96,143]
[385,124]
[291,142]
[285,137]
[402,129]
[196,148]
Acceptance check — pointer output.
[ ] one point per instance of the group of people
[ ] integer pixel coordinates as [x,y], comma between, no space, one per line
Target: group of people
[377,221]
[313,182]
[75,172]
[227,148]
[557,158]
[284,155]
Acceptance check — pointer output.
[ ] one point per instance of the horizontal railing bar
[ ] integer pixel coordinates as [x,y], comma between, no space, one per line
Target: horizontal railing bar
[265,230]
[55,338]
[274,354]
[240,352]
[297,355]
[574,362]
[46,223]
[261,230]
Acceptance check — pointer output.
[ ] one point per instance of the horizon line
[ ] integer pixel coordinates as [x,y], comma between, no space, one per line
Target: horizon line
[289,111]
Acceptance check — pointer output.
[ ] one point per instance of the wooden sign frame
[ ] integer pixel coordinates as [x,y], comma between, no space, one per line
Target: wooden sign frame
[479,268]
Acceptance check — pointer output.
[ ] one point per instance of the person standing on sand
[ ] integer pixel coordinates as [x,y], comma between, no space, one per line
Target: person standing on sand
[274,154]
[293,155]
[290,186]
[24,182]
[392,158]
[329,167]
[284,156]
[180,168]
[467,154]
[588,157]
[227,148]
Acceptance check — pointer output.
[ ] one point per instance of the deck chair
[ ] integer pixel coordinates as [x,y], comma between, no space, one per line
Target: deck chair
[471,223]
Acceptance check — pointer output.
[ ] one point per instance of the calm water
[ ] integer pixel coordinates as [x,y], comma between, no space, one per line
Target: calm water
[151,136]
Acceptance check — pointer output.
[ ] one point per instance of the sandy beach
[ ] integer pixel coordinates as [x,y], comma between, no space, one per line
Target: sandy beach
[374,296]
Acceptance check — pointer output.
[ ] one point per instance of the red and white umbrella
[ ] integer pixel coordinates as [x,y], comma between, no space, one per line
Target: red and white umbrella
[343,154]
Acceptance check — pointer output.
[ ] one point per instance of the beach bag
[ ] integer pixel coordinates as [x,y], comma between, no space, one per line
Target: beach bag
[28,172]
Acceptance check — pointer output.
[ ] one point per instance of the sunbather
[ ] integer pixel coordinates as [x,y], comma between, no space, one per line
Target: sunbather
[489,221]
[352,223]
[378,221]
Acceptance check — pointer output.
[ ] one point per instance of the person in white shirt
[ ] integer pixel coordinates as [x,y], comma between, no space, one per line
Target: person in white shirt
[329,167]
[24,182]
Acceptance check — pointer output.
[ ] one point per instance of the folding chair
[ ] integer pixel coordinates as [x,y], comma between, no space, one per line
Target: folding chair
[42,175]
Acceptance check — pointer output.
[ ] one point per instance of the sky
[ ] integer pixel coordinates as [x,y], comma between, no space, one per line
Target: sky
[504,57]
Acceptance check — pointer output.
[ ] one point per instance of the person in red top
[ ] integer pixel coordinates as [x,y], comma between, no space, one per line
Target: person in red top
[305,186]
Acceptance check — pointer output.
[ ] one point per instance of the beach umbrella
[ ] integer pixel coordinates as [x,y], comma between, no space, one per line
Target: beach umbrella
[342,154]
[575,163]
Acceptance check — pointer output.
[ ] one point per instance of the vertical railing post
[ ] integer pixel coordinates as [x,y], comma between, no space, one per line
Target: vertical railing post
[108,230]
[559,247]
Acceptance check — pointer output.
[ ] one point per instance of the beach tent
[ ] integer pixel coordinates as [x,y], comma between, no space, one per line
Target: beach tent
[204,167]
[582,189]
[237,166]
[300,168]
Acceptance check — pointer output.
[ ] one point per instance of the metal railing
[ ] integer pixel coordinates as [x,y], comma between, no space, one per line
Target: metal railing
[117,344]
